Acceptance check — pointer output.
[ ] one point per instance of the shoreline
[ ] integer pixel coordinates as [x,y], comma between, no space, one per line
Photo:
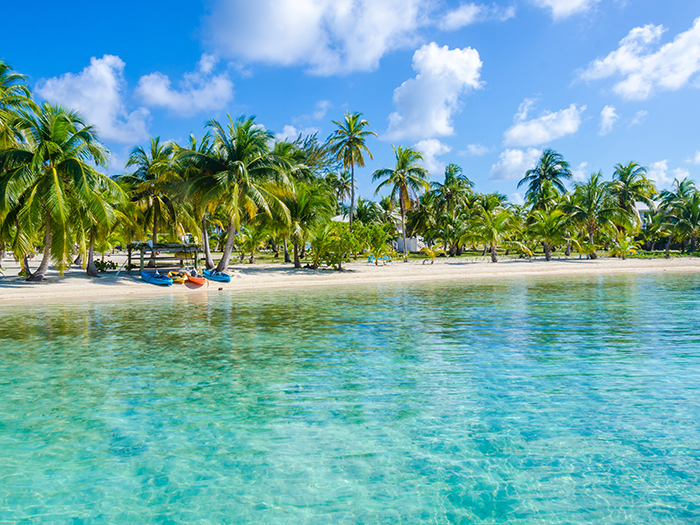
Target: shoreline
[76,285]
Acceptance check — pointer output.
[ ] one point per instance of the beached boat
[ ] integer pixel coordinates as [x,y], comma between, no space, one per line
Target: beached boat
[213,275]
[178,277]
[196,279]
[156,278]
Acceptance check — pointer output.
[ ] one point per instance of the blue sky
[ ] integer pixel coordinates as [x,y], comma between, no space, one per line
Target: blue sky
[487,86]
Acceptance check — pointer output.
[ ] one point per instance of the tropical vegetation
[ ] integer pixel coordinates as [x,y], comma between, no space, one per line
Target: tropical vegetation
[239,189]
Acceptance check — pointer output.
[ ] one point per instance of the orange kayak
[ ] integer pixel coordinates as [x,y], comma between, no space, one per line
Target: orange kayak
[196,280]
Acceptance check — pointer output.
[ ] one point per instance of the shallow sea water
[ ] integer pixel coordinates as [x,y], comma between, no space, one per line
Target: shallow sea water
[529,401]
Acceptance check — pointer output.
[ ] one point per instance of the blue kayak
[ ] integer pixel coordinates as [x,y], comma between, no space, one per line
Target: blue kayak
[213,275]
[157,278]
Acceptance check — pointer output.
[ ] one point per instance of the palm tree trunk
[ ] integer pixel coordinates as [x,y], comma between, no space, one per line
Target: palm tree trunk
[668,246]
[155,236]
[568,249]
[44,266]
[593,254]
[352,192]
[223,263]
[547,251]
[403,229]
[78,261]
[208,261]
[287,259]
[25,265]
[494,257]
[91,269]
[297,262]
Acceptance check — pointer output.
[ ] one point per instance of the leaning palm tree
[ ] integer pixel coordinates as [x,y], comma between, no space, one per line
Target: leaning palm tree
[48,173]
[348,145]
[246,173]
[549,173]
[408,180]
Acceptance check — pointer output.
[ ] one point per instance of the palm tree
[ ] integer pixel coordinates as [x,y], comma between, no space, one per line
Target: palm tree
[671,203]
[630,185]
[549,228]
[348,145]
[48,173]
[15,96]
[593,207]
[246,172]
[492,228]
[201,187]
[454,192]
[547,175]
[408,180]
[309,206]
[153,184]
[341,184]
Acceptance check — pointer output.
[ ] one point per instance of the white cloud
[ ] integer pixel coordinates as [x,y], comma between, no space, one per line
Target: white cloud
[548,127]
[659,173]
[98,93]
[322,107]
[579,173]
[646,71]
[513,163]
[290,133]
[467,14]
[639,118]
[427,102]
[328,36]
[697,157]
[608,117]
[200,90]
[477,150]
[431,149]
[565,8]
[516,199]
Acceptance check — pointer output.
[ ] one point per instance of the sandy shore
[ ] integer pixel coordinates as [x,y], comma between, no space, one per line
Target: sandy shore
[76,285]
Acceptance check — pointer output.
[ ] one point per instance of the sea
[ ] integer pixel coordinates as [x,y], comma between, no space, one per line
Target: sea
[519,400]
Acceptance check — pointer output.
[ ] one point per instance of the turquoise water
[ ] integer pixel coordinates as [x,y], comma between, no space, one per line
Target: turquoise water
[530,401]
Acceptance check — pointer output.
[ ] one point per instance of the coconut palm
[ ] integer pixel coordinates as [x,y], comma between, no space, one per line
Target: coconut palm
[549,173]
[341,184]
[348,144]
[245,171]
[492,228]
[408,180]
[48,173]
[548,227]
[153,185]
[630,185]
[454,191]
[201,187]
[15,96]
[309,205]
[593,207]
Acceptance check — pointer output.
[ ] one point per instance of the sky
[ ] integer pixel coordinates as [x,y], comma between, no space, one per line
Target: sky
[487,86]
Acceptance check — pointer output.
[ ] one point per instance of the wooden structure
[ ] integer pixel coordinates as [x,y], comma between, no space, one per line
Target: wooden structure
[170,251]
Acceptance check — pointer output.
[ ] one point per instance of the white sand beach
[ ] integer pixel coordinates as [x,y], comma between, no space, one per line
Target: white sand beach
[246,277]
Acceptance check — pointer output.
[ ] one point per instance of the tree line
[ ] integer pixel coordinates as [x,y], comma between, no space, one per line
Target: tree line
[238,188]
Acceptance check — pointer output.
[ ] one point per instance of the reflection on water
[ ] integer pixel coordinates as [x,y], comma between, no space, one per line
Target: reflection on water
[526,401]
